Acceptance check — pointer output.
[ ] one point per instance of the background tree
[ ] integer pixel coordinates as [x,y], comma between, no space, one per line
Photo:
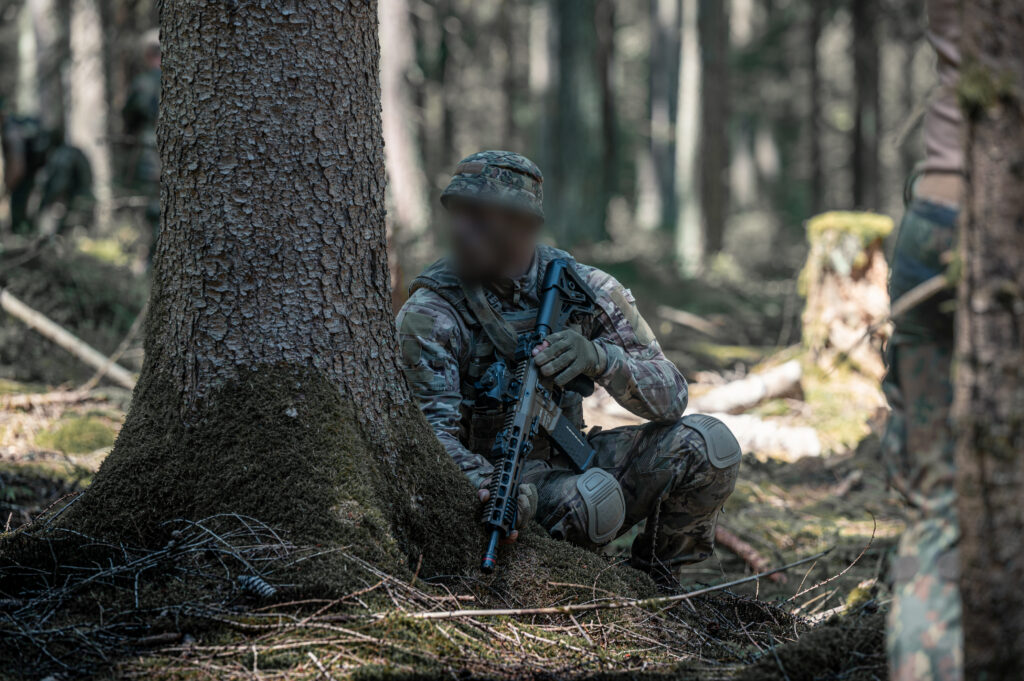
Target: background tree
[270,385]
[990,324]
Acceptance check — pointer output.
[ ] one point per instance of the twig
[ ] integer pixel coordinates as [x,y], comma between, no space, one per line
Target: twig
[605,605]
[319,666]
[846,569]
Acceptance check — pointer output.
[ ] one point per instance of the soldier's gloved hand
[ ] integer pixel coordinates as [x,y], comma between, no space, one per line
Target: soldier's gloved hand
[568,354]
[526,502]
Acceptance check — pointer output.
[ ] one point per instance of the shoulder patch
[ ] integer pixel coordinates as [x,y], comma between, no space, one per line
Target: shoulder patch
[629,311]
[417,324]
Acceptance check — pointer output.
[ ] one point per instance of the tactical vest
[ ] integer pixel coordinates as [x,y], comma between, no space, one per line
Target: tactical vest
[481,422]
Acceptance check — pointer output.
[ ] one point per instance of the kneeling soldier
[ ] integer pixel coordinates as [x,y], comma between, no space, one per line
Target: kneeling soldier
[674,472]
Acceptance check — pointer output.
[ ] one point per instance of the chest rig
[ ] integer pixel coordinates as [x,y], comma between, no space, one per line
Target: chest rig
[490,328]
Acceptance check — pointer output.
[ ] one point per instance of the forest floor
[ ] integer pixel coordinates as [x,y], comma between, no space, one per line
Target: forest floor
[820,620]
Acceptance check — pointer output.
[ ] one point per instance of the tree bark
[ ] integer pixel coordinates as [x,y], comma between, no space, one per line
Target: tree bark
[814,106]
[867,116]
[664,84]
[576,204]
[989,397]
[715,154]
[409,215]
[689,229]
[271,386]
[88,112]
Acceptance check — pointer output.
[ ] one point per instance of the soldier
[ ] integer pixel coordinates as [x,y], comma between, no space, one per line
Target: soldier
[674,472]
[925,635]
[140,114]
[49,182]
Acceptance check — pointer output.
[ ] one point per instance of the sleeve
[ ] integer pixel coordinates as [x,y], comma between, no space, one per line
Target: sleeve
[432,338]
[637,373]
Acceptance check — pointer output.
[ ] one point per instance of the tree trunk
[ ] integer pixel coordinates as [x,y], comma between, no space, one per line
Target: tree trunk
[87,103]
[814,106]
[715,155]
[990,323]
[409,214]
[50,20]
[270,386]
[663,88]
[867,116]
[689,220]
[573,181]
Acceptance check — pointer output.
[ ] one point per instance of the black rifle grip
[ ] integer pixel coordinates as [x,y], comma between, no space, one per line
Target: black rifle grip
[582,385]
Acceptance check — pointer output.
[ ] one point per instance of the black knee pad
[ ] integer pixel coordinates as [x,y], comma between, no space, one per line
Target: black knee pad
[723,449]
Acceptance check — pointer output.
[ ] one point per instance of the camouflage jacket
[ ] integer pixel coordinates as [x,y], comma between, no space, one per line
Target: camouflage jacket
[436,348]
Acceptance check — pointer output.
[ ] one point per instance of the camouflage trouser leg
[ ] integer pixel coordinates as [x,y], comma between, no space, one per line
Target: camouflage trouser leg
[924,637]
[667,479]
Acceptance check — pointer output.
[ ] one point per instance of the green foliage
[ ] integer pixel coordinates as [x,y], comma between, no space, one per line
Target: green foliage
[77,435]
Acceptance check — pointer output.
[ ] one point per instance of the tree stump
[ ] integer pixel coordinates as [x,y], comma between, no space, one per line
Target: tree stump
[844,284]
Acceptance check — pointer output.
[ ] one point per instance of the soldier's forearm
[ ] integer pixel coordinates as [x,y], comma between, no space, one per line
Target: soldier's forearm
[651,388]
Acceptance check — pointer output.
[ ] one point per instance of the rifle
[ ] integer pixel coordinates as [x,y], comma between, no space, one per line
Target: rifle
[536,402]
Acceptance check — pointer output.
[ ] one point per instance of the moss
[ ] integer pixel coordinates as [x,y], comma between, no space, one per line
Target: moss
[867,227]
[981,88]
[77,435]
[283,446]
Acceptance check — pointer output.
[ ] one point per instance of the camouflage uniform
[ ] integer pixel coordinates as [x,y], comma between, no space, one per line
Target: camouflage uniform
[667,473]
[50,173]
[924,637]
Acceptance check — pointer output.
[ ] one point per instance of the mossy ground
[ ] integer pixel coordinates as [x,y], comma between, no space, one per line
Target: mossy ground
[77,435]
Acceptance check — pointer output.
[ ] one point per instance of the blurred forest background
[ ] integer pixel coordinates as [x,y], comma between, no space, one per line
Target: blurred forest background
[699,135]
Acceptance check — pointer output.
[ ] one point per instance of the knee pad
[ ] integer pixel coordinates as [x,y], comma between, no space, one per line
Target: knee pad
[595,512]
[723,448]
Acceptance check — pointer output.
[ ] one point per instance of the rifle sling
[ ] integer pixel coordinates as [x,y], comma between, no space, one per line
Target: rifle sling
[497,329]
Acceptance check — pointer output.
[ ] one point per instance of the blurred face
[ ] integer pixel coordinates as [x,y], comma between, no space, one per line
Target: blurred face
[490,242]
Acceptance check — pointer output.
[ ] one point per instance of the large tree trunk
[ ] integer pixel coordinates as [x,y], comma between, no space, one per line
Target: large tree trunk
[990,325]
[270,386]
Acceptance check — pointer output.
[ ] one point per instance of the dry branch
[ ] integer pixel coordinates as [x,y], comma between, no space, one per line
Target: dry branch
[748,553]
[76,346]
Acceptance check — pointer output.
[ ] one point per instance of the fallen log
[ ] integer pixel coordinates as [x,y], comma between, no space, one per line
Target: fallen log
[767,437]
[746,393]
[76,346]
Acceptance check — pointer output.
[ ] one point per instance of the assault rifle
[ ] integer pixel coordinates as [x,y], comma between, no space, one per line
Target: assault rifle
[535,402]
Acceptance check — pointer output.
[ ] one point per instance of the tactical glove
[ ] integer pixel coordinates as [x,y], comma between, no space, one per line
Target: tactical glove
[528,499]
[569,354]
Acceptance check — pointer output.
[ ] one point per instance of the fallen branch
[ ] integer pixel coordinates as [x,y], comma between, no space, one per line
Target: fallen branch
[603,605]
[746,393]
[76,346]
[750,555]
[687,319]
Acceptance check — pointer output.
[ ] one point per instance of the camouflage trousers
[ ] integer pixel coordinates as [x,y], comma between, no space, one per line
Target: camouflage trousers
[924,638]
[667,478]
